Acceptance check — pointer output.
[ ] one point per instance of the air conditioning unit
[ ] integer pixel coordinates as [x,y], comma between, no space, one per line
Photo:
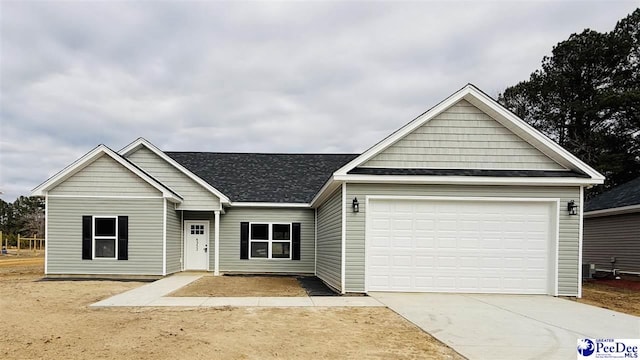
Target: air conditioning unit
[588,270]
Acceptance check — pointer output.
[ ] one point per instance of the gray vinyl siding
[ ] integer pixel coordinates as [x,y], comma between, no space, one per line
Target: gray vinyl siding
[174,239]
[195,197]
[230,240]
[105,176]
[568,243]
[462,137]
[208,216]
[329,246]
[64,241]
[615,235]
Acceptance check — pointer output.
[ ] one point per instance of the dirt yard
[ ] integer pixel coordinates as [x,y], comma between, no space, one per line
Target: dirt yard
[240,286]
[50,319]
[618,295]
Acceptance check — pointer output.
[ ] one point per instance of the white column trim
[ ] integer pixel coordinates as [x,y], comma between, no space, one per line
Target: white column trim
[46,232]
[182,240]
[164,237]
[580,235]
[343,265]
[315,242]
[216,243]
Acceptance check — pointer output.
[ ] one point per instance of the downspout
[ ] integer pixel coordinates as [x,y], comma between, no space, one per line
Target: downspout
[343,265]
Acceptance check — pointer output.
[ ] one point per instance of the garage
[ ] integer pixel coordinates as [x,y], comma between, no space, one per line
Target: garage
[478,245]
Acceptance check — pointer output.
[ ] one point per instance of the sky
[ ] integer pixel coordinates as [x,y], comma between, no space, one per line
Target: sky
[310,77]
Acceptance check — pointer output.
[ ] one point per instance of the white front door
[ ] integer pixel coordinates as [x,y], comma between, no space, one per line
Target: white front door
[196,245]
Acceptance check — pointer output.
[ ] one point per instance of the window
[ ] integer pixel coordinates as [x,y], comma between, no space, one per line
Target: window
[270,241]
[105,237]
[197,229]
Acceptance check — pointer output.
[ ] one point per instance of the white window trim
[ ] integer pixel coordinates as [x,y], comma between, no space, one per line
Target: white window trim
[270,241]
[94,237]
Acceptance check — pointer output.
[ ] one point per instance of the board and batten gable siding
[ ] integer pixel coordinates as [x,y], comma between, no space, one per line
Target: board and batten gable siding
[612,236]
[230,240]
[209,217]
[174,239]
[462,137]
[568,225]
[195,197]
[329,246]
[105,176]
[64,241]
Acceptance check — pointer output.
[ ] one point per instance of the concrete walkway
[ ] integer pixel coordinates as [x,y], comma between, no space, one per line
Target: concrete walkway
[153,294]
[510,326]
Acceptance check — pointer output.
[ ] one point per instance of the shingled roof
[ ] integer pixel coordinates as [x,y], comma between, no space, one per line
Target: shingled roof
[252,177]
[627,194]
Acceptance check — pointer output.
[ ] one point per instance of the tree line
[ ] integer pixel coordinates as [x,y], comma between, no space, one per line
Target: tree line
[25,216]
[586,97]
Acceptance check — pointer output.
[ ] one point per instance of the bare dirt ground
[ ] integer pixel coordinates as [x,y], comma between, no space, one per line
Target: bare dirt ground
[51,320]
[241,286]
[618,295]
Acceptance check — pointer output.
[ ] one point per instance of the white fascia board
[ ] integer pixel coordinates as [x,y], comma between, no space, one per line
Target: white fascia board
[90,157]
[144,142]
[327,189]
[464,180]
[613,211]
[502,115]
[270,205]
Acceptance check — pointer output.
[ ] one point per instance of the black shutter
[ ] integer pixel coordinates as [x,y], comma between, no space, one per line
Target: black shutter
[87,232]
[123,237]
[244,240]
[295,241]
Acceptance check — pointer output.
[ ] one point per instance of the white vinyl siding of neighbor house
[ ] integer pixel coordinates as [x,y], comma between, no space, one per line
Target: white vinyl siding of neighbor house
[64,240]
[195,197]
[612,236]
[105,177]
[209,217]
[174,239]
[568,243]
[329,246]
[230,240]
[462,137]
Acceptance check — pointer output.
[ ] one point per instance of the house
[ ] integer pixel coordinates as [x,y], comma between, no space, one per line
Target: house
[467,197]
[612,230]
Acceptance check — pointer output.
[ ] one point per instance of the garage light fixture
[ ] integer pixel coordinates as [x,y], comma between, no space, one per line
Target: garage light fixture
[572,208]
[355,205]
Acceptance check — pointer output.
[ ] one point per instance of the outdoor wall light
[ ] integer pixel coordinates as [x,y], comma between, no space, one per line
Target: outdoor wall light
[355,205]
[572,208]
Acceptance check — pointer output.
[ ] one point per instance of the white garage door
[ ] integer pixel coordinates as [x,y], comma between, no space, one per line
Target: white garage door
[459,246]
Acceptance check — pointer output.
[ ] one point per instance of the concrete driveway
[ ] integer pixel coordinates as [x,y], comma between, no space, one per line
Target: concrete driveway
[510,326]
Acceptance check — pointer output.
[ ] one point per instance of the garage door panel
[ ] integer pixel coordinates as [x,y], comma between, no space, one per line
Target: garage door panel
[458,246]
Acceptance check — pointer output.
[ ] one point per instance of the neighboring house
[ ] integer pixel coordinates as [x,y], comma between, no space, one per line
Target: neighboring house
[467,197]
[612,229]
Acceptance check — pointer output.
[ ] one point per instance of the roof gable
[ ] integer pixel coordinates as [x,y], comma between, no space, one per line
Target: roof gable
[140,142]
[195,196]
[462,137]
[91,157]
[490,107]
